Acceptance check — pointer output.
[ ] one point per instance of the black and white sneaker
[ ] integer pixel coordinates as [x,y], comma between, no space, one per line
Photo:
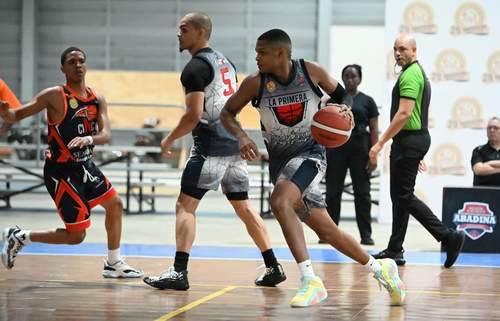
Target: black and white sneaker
[272,276]
[169,280]
[120,269]
[13,242]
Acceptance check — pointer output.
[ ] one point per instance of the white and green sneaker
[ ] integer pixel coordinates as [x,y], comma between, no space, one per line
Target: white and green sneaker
[388,277]
[310,293]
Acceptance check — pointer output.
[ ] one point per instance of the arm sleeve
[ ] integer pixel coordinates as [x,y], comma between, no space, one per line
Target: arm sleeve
[476,157]
[372,108]
[196,75]
[409,84]
[7,95]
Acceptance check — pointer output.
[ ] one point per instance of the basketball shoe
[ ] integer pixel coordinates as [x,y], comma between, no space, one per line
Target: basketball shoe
[388,277]
[120,269]
[169,280]
[272,276]
[13,242]
[311,292]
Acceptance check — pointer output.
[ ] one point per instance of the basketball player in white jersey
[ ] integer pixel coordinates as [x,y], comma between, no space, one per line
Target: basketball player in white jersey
[286,93]
[209,79]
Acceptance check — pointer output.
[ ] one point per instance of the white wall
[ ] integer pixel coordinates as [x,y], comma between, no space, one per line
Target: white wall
[364,46]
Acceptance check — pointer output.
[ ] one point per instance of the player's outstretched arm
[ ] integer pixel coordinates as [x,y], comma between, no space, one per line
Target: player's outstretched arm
[41,101]
[248,89]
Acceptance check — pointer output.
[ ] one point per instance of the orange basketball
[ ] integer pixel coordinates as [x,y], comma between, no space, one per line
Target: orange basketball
[330,128]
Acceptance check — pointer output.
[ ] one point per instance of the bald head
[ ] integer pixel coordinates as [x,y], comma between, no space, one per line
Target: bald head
[405,50]
[406,39]
[199,20]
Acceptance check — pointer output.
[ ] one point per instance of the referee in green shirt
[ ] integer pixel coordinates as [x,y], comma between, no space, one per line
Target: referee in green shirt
[411,140]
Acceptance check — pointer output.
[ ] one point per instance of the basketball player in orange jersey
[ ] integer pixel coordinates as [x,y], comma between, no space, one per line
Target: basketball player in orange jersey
[8,96]
[287,95]
[77,120]
[209,79]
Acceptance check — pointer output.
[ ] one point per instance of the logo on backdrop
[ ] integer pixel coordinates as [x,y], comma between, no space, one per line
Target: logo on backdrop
[475,219]
[447,159]
[492,73]
[418,17]
[467,112]
[450,65]
[470,19]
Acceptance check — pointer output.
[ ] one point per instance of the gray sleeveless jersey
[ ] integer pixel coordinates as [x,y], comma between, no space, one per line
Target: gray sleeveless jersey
[210,136]
[286,111]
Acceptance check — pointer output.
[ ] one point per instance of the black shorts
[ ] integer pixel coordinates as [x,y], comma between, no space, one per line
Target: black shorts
[75,189]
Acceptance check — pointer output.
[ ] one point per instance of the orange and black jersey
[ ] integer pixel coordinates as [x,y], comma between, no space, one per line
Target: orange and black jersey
[80,119]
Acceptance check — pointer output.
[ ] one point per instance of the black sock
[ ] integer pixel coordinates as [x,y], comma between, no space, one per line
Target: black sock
[181,261]
[269,258]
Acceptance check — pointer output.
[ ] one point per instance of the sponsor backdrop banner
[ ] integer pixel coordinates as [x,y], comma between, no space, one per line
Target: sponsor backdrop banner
[458,44]
[472,210]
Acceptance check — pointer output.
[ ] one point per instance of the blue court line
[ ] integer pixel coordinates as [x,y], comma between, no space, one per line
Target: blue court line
[327,255]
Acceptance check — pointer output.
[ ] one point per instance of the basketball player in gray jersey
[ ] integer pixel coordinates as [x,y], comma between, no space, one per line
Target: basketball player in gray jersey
[209,79]
[286,93]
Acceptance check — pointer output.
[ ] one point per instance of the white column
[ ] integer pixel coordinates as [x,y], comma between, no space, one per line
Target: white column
[28,50]
[324,15]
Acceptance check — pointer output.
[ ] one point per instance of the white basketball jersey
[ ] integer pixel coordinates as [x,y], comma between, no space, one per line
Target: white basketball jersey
[286,111]
[211,137]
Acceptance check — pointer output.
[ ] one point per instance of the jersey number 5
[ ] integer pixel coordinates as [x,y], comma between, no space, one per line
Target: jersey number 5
[228,91]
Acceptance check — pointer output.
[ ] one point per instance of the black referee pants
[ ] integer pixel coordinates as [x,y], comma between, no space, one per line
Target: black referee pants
[406,153]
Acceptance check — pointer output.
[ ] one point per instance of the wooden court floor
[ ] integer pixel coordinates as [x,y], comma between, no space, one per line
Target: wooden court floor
[70,288]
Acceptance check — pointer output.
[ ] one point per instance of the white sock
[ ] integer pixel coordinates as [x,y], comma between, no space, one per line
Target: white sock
[114,256]
[26,235]
[306,269]
[373,265]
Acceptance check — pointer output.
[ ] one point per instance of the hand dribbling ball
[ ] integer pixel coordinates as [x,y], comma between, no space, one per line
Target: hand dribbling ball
[330,127]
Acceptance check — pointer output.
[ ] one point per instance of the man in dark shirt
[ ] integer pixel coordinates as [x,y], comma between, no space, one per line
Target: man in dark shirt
[209,79]
[485,159]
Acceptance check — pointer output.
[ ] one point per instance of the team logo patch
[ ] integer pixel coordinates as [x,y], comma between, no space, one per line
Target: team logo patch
[89,113]
[291,114]
[301,80]
[271,86]
[475,219]
[73,103]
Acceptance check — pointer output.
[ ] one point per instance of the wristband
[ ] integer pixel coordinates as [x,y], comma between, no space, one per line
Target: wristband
[89,139]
